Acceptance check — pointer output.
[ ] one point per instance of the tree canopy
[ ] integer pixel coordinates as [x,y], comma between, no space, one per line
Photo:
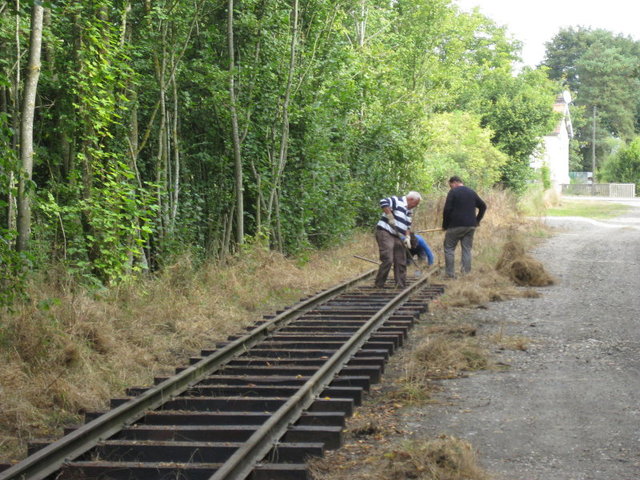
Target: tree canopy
[170,126]
[602,69]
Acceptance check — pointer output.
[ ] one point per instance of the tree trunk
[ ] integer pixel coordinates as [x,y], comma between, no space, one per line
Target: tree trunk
[237,154]
[361,24]
[15,116]
[284,134]
[26,128]
[175,194]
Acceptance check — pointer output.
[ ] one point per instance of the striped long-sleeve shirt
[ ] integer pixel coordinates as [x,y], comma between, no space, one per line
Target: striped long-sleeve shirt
[401,213]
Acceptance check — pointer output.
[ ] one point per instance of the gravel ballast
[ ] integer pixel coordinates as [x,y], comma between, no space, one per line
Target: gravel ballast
[569,406]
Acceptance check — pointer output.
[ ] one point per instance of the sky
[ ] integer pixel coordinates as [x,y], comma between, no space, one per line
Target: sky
[535,22]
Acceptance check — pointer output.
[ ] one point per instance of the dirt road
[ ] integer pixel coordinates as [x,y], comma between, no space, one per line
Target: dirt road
[568,408]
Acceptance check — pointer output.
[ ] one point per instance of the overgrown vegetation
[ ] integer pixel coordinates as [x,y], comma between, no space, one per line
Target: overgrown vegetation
[69,349]
[165,129]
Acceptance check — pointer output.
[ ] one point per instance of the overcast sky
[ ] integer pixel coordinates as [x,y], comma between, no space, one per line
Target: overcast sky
[535,22]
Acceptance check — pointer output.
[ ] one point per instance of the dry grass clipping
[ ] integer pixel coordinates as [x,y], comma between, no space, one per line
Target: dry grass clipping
[445,458]
[480,287]
[442,356]
[521,268]
[439,352]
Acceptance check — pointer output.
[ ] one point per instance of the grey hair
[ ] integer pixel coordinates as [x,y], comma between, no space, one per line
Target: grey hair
[415,195]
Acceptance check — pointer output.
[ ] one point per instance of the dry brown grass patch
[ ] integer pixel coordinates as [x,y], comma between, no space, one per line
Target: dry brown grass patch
[510,342]
[70,349]
[445,458]
[480,287]
[441,356]
[521,268]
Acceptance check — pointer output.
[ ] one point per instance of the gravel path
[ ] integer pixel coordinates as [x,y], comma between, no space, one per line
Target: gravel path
[568,408]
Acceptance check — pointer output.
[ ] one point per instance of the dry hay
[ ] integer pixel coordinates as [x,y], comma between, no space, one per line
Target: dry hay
[443,356]
[482,286]
[521,268]
[457,331]
[443,458]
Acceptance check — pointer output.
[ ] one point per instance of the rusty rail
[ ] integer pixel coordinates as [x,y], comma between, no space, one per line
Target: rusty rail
[314,338]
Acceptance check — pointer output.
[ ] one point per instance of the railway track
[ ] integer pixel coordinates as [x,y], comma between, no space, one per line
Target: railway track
[256,406]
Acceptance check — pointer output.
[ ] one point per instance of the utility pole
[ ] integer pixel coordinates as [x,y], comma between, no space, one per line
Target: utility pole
[593,144]
[593,153]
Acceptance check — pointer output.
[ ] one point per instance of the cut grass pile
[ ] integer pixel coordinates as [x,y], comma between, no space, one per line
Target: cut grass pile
[443,458]
[446,355]
[521,268]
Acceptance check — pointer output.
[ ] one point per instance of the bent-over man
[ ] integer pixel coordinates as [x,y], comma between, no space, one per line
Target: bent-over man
[421,249]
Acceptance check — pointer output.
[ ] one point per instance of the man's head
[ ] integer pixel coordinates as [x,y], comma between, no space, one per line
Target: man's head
[455,181]
[413,199]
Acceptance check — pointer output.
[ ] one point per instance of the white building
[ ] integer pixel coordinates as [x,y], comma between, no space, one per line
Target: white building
[554,151]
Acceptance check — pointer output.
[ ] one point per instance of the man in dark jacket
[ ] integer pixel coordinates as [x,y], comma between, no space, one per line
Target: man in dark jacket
[459,220]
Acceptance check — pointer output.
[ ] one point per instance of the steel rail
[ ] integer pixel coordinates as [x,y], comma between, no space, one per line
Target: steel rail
[50,458]
[240,464]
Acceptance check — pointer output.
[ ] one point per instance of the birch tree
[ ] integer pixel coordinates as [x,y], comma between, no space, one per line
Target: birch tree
[26,128]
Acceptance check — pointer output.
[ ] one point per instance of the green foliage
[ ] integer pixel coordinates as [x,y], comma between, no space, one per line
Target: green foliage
[545,177]
[519,112]
[135,149]
[122,217]
[13,270]
[609,82]
[13,265]
[624,166]
[457,144]
[601,69]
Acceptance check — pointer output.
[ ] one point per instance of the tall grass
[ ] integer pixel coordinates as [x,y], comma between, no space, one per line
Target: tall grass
[69,350]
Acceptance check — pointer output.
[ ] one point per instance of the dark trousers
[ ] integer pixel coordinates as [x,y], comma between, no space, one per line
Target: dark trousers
[392,252]
[452,236]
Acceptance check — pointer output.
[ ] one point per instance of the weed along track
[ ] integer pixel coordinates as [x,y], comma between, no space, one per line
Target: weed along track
[254,407]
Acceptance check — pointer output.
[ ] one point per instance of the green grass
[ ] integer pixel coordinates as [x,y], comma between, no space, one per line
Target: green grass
[587,209]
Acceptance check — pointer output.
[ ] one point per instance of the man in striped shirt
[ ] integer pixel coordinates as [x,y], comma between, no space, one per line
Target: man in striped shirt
[392,234]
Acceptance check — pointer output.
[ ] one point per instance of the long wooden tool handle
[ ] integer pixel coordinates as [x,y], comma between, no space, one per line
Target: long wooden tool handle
[367,259]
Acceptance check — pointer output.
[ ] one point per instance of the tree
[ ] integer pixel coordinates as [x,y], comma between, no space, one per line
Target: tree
[602,71]
[237,153]
[26,128]
[624,166]
[457,143]
[519,112]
